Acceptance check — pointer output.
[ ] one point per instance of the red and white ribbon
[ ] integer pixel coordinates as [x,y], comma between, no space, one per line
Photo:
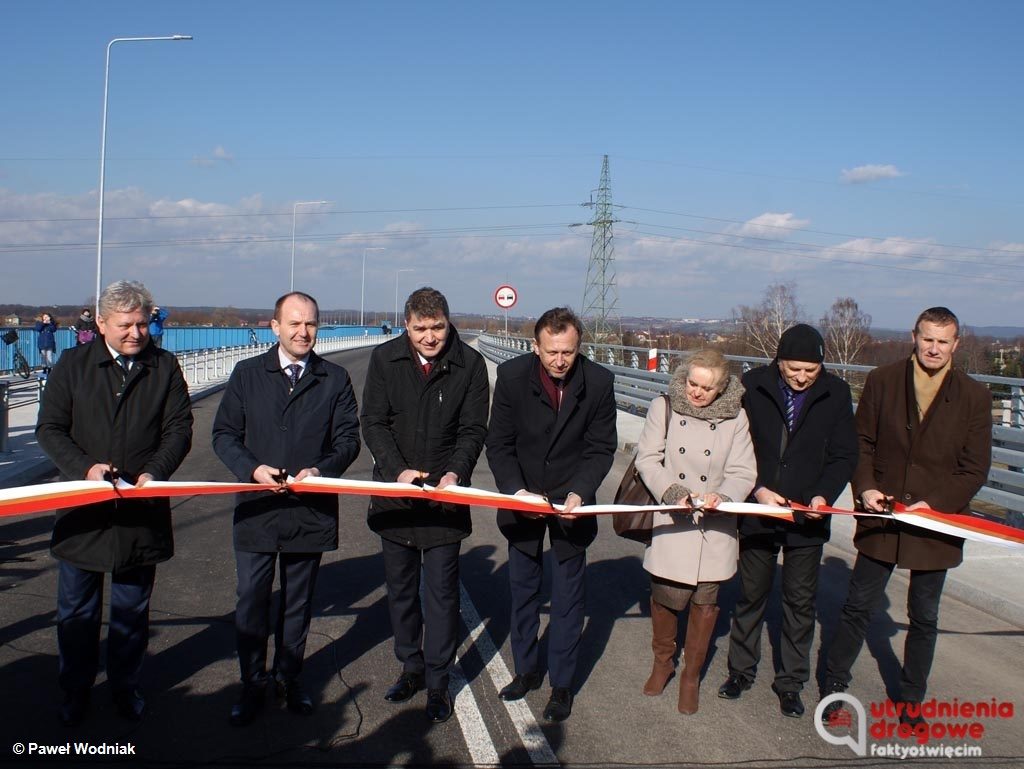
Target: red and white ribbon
[25,500]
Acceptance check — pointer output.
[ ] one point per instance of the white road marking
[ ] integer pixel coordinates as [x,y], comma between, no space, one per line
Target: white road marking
[482,750]
[533,739]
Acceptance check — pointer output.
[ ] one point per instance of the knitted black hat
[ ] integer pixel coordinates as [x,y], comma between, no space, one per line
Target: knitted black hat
[803,343]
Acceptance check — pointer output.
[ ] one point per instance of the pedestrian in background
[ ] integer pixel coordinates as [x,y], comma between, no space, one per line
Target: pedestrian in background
[46,340]
[156,325]
[85,327]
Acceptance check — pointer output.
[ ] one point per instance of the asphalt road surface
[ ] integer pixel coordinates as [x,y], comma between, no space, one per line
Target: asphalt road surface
[191,675]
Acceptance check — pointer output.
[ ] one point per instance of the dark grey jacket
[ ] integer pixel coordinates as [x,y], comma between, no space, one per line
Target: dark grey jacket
[436,424]
[260,423]
[141,423]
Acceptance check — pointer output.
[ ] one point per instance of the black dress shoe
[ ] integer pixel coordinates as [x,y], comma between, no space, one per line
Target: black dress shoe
[405,687]
[520,685]
[790,703]
[914,720]
[295,697]
[439,705]
[130,704]
[734,686]
[831,687]
[559,705]
[249,706]
[74,707]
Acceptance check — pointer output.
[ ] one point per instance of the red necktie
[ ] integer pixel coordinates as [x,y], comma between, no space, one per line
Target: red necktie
[426,368]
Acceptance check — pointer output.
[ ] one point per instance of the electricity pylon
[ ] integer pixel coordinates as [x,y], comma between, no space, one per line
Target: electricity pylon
[600,315]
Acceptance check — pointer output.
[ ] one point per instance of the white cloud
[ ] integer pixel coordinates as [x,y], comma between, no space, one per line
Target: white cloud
[869,173]
[218,155]
[195,251]
[771,226]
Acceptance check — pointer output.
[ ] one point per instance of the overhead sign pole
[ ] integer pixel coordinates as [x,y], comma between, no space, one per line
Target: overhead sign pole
[505,297]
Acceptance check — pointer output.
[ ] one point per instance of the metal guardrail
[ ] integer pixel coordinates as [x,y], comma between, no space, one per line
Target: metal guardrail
[635,388]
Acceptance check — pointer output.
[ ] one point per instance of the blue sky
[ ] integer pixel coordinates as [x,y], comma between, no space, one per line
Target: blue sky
[869,149]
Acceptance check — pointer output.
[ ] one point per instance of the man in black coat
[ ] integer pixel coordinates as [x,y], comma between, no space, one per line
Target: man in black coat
[285,413]
[552,432]
[801,422]
[117,408]
[424,419]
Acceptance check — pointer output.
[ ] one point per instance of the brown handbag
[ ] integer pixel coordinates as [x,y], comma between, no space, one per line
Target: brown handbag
[638,526]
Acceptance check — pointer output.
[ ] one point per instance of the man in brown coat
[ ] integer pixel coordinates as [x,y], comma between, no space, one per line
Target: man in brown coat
[925,440]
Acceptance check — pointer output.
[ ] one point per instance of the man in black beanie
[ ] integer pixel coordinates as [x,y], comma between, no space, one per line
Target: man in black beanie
[801,422]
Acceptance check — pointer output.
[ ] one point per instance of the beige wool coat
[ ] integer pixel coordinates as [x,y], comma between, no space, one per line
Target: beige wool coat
[706,450]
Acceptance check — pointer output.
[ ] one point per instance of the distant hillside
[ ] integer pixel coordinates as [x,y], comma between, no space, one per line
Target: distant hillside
[996,332]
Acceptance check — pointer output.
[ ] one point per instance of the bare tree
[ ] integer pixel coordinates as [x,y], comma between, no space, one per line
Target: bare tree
[761,326]
[973,354]
[846,330]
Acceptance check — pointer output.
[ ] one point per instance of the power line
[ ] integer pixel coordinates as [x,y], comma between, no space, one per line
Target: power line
[1005,251]
[269,214]
[798,255]
[789,244]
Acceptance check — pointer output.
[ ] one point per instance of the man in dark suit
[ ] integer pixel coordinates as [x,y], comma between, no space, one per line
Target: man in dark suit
[801,423]
[925,434]
[424,419]
[117,408]
[285,413]
[552,432]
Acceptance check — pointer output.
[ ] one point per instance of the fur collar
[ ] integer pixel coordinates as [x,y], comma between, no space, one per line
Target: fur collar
[725,406]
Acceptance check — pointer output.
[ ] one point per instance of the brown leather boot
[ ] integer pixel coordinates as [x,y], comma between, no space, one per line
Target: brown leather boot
[664,625]
[695,650]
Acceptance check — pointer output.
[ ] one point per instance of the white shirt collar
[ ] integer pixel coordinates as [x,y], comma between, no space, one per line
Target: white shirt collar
[285,361]
[129,360]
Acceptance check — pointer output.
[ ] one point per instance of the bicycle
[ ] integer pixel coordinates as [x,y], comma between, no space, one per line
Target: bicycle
[20,363]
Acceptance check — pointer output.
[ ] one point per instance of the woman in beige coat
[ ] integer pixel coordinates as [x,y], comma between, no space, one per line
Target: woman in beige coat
[705,453]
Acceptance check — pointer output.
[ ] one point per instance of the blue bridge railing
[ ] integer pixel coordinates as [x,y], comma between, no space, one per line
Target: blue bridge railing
[175,339]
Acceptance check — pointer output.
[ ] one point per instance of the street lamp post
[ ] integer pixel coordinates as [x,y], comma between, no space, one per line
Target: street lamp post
[362,284]
[291,285]
[397,273]
[103,151]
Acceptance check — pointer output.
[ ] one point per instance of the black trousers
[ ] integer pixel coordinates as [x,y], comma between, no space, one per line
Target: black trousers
[79,615]
[758,556]
[565,625]
[426,632]
[867,586]
[294,611]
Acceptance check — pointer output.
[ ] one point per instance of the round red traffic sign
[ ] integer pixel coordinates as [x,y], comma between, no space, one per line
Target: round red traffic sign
[505,297]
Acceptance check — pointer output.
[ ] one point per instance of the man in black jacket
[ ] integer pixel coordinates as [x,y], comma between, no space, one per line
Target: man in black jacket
[285,413]
[117,408]
[552,432]
[424,419]
[801,422]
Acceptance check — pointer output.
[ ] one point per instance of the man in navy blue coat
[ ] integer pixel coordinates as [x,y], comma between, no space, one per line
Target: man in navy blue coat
[285,413]
[552,432]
